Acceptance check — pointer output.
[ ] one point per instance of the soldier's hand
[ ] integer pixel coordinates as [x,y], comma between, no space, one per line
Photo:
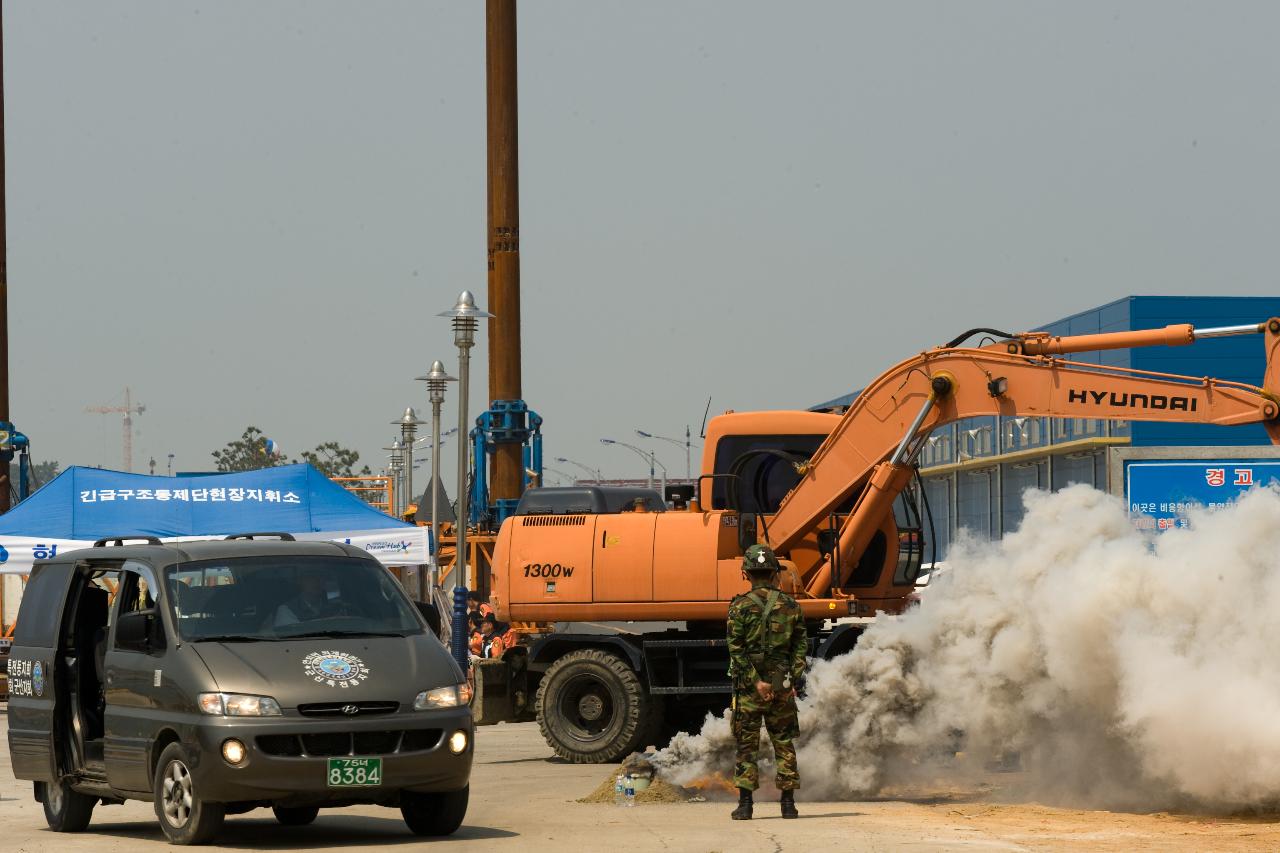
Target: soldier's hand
[765,689]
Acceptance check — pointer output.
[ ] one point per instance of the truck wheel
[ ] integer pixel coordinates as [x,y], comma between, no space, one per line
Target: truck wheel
[592,708]
[300,816]
[434,814]
[64,809]
[184,817]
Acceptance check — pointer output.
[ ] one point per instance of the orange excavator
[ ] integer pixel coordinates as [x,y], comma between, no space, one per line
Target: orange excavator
[832,494]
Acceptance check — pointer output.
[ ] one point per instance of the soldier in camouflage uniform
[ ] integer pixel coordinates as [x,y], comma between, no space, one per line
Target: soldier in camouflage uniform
[766,659]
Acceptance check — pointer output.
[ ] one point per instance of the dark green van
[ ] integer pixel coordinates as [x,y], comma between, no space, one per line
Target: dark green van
[220,676]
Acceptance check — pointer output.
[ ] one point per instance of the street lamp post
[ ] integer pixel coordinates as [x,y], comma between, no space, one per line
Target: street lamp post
[687,444]
[394,467]
[563,475]
[647,456]
[592,472]
[436,381]
[466,317]
[408,424]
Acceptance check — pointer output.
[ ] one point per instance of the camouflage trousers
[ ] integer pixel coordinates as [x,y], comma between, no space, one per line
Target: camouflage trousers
[782,723]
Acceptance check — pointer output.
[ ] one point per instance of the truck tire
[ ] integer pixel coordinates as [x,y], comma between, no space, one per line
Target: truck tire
[184,817]
[593,709]
[434,814]
[66,810]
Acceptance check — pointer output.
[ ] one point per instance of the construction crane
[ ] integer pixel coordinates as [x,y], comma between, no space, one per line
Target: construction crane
[129,409]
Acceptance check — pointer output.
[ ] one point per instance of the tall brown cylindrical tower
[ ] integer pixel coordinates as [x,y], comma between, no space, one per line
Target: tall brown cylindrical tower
[507,477]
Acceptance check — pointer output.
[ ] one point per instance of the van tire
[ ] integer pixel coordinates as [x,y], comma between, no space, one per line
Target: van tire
[434,814]
[593,708]
[66,810]
[184,817]
[300,816]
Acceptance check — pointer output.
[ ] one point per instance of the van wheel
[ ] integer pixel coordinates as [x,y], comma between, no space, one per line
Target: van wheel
[434,814]
[300,816]
[64,809]
[592,708]
[184,817]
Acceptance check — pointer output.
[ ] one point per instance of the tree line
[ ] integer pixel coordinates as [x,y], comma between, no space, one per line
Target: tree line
[250,452]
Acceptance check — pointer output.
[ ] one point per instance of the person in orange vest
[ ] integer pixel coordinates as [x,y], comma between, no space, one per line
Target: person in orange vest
[476,642]
[477,604]
[496,637]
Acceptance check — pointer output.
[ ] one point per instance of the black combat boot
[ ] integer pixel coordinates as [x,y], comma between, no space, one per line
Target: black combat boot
[789,804]
[743,811]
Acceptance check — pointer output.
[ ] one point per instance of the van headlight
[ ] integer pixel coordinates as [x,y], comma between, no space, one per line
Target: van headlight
[442,697]
[238,705]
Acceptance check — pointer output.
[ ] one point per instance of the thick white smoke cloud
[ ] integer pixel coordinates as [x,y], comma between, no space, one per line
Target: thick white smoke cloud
[1125,671]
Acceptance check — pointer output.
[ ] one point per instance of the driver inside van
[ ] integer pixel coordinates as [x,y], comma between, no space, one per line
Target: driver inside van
[311,602]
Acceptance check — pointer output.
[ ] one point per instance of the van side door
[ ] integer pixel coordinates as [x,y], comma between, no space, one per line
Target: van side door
[37,694]
[134,673]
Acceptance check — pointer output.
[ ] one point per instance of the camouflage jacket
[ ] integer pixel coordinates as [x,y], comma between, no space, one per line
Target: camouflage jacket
[759,650]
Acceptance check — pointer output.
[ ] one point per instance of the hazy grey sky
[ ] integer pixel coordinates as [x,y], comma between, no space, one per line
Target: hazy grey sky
[251,212]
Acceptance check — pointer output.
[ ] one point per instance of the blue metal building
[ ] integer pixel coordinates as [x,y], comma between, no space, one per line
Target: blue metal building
[975,471]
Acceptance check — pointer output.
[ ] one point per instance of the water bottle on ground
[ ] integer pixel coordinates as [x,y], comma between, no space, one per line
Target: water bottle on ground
[631,791]
[619,791]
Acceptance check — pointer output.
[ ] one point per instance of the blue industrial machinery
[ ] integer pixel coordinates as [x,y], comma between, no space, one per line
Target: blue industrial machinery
[506,422]
[12,441]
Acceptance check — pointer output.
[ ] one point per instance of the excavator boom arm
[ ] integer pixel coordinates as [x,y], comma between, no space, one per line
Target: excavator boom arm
[1015,378]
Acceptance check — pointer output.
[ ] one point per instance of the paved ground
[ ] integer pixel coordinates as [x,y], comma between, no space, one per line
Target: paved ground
[522,800]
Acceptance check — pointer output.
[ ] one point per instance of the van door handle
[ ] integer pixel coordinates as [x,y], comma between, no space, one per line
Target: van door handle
[604,537]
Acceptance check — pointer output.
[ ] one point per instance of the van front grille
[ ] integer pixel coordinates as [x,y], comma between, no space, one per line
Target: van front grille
[329,744]
[553,520]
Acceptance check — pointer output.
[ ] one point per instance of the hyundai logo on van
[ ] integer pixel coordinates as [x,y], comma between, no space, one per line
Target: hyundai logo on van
[1126,400]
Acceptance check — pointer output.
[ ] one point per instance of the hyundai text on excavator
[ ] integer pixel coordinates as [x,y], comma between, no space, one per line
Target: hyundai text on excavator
[833,496]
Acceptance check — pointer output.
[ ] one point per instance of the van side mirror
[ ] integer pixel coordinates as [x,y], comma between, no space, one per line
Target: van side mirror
[429,612]
[134,631]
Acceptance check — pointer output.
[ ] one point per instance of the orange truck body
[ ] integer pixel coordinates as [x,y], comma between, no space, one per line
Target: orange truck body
[685,565]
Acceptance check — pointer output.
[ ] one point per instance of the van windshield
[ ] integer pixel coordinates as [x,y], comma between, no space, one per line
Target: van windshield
[273,598]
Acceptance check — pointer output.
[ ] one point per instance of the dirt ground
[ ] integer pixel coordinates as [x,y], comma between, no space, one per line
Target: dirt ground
[523,799]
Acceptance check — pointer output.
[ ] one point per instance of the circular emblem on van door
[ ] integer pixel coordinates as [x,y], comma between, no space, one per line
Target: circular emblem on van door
[37,678]
[335,669]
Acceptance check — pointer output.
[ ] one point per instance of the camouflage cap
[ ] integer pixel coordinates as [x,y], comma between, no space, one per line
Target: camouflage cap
[760,558]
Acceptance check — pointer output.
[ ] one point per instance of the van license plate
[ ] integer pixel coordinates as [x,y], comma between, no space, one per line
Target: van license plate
[355,772]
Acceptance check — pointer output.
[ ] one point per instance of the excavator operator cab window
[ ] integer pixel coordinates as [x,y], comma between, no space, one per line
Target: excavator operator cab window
[766,477]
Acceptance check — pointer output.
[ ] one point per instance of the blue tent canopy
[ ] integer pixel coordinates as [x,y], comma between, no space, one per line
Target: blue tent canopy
[89,503]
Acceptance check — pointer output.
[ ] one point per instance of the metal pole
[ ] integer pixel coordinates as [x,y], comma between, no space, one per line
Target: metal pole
[408,467]
[466,317]
[435,490]
[4,284]
[688,453]
[436,380]
[462,570]
[408,431]
[507,473]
